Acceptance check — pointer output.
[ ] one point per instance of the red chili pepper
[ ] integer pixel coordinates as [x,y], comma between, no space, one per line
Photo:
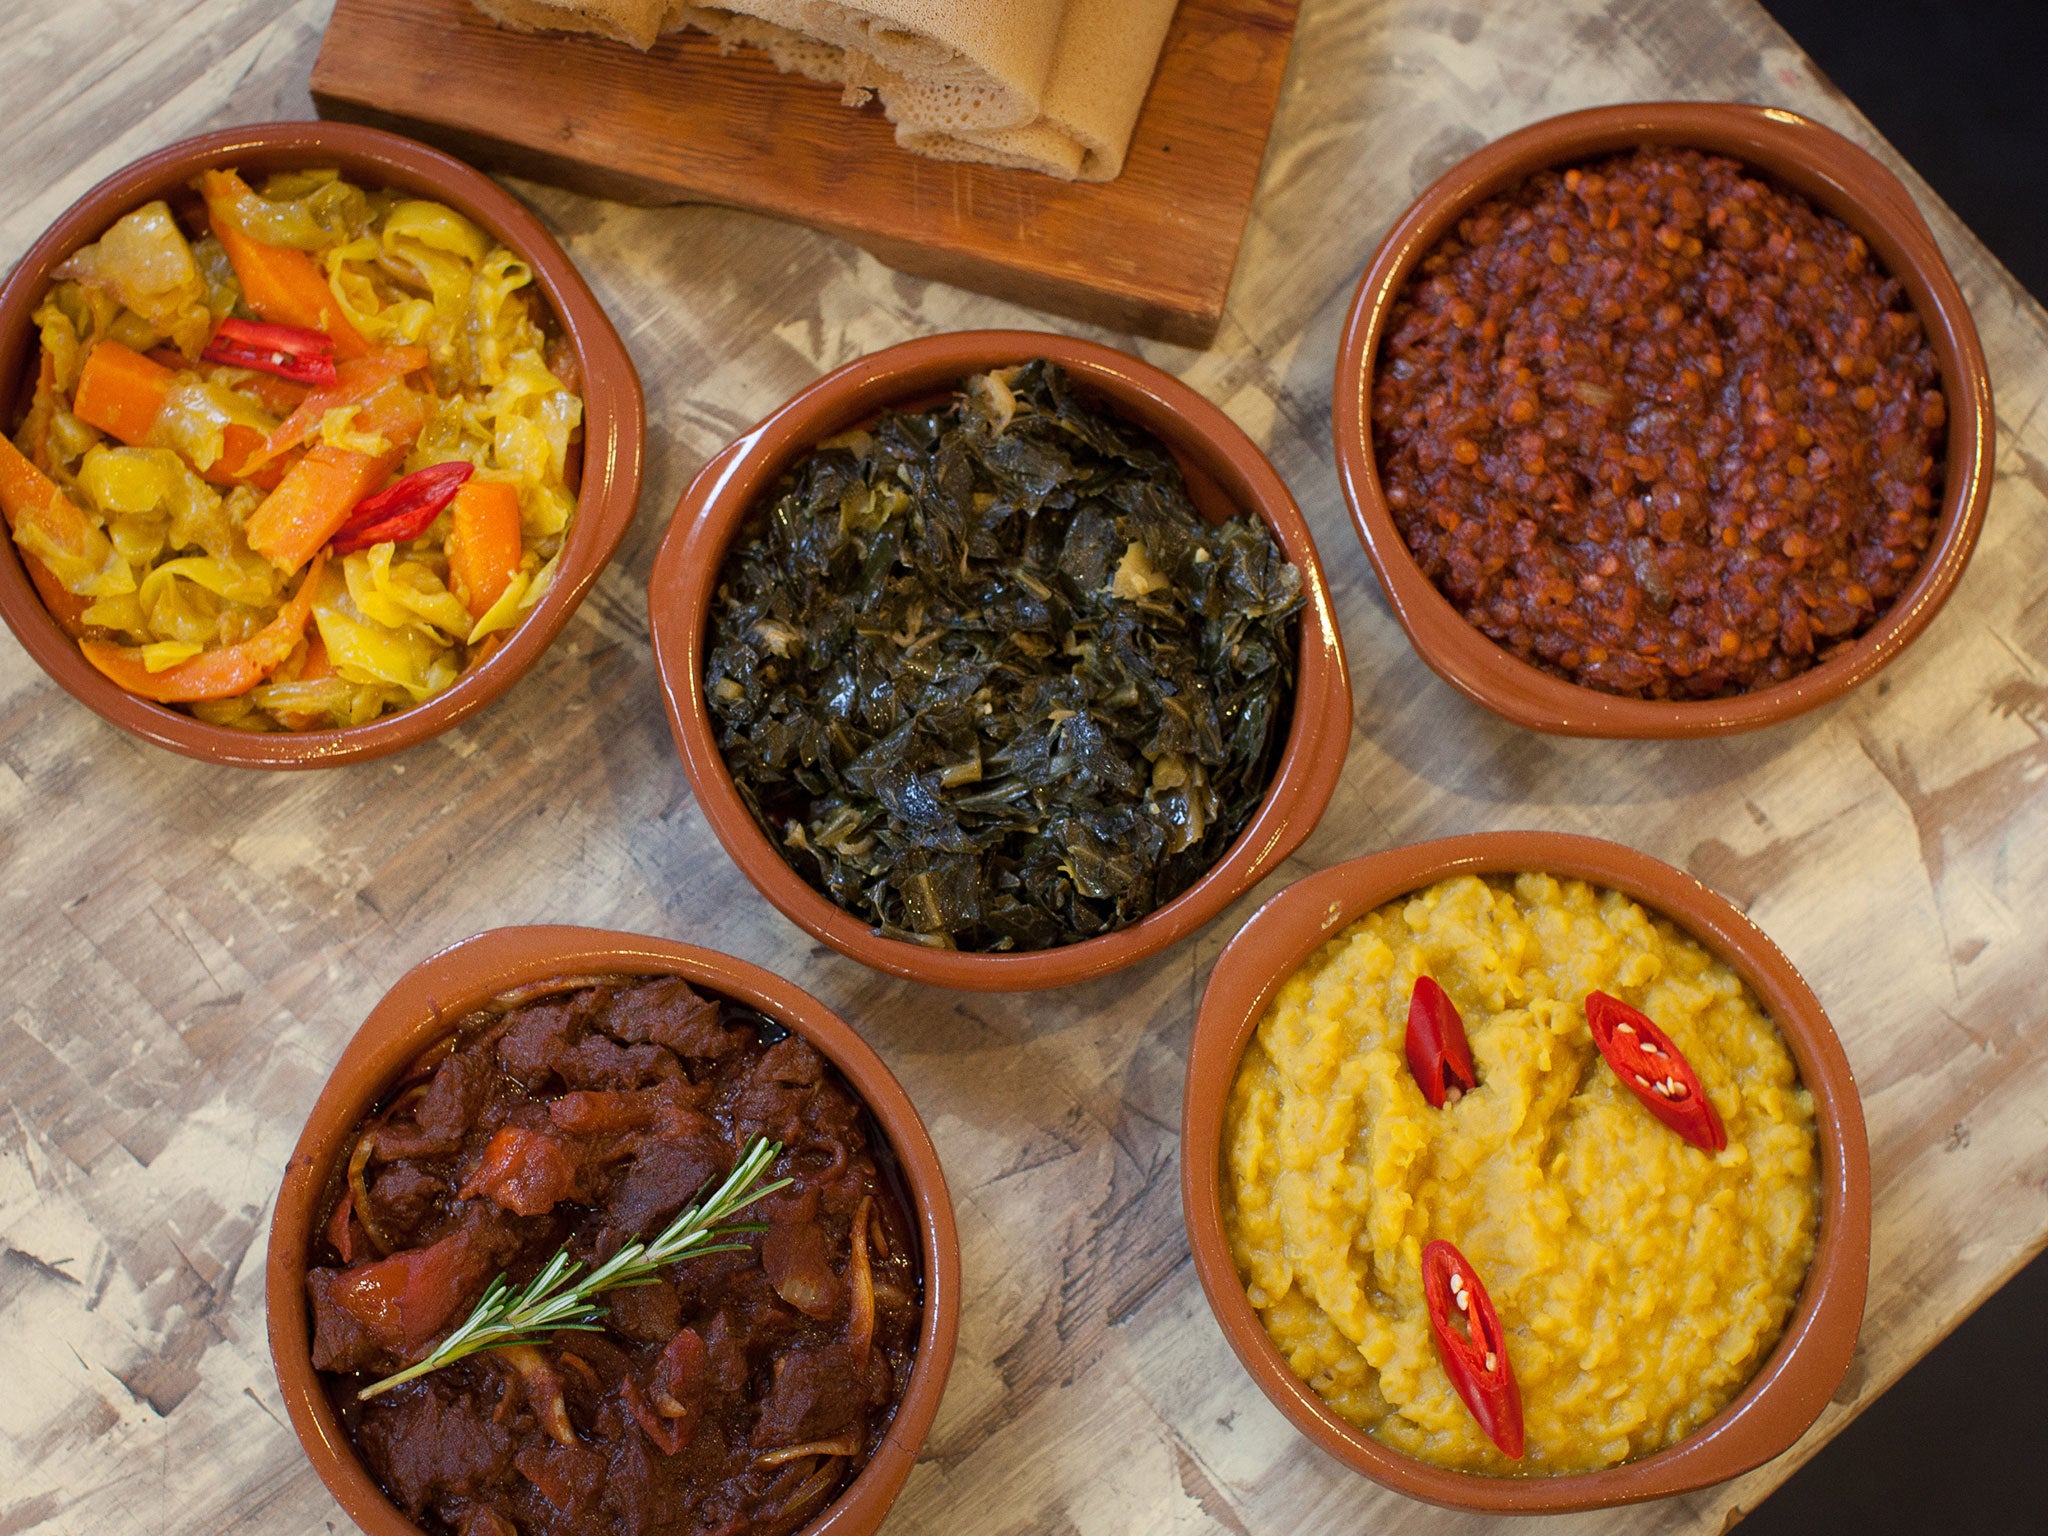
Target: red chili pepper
[402,510]
[289,351]
[1438,1053]
[1476,1357]
[1655,1070]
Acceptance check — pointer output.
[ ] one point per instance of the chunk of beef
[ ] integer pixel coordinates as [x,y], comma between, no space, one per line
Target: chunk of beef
[667,1012]
[568,1476]
[663,1177]
[340,1341]
[402,1197]
[443,1115]
[646,1314]
[539,1033]
[598,1062]
[816,1393]
[449,1106]
[773,1097]
[430,1441]
[792,1061]
[725,1353]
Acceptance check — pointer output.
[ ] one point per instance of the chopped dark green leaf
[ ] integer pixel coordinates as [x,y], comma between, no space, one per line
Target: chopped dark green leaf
[989,680]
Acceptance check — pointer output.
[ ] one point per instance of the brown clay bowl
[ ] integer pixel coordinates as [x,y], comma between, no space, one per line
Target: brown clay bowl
[1226,474]
[1837,177]
[1801,1373]
[435,995]
[614,429]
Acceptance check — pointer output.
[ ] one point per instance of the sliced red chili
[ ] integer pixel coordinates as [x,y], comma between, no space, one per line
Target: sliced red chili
[1655,1070]
[402,510]
[289,351]
[1475,1357]
[1438,1053]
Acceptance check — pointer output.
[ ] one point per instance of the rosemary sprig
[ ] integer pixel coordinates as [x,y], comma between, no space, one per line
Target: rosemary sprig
[555,1301]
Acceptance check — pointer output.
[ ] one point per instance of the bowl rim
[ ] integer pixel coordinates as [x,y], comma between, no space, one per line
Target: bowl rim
[1799,1376]
[1837,176]
[434,996]
[692,553]
[614,431]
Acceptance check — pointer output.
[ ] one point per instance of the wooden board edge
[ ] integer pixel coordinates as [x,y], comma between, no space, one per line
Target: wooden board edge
[1193,322]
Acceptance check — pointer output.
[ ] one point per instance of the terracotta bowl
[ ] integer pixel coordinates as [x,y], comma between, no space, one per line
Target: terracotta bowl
[1801,1373]
[1226,474]
[434,996]
[614,427]
[1836,176]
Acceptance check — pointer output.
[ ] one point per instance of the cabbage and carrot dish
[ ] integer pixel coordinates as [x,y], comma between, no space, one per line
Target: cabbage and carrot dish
[293,457]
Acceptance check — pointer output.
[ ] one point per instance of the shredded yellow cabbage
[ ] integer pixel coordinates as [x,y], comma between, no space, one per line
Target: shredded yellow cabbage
[408,593]
[145,265]
[165,558]
[306,210]
[338,430]
[506,611]
[250,580]
[135,488]
[122,613]
[162,655]
[196,416]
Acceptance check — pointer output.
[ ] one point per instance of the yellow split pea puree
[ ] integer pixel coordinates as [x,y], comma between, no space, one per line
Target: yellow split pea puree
[1640,1280]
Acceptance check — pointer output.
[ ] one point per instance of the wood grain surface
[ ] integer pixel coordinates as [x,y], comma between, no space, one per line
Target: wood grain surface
[1151,251]
[192,947]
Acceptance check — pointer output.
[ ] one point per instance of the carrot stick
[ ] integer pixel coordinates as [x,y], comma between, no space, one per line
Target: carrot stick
[27,495]
[42,412]
[313,500]
[219,674]
[282,285]
[356,381]
[280,397]
[65,606]
[317,494]
[123,392]
[484,546]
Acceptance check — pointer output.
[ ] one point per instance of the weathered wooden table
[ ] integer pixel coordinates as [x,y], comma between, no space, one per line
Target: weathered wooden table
[190,947]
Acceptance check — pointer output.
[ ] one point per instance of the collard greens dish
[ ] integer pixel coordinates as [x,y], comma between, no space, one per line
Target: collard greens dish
[989,680]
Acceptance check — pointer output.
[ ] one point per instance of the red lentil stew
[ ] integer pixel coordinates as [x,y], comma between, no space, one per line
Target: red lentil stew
[1660,427]
[738,1393]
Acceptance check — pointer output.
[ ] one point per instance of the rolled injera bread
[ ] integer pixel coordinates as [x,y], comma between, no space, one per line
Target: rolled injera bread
[1046,85]
[637,22]
[1102,67]
[965,63]
[790,52]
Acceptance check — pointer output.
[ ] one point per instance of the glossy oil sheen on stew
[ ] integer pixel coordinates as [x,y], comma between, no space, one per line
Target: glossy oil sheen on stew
[735,1396]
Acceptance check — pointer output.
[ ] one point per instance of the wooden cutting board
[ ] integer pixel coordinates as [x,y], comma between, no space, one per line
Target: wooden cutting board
[1150,252]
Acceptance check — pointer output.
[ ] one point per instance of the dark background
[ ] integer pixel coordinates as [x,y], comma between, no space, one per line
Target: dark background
[1961,1443]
